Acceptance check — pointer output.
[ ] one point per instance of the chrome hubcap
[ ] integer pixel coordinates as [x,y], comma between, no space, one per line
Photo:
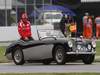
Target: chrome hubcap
[18,56]
[59,55]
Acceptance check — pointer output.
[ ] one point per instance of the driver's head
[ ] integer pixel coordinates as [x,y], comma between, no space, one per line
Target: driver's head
[24,17]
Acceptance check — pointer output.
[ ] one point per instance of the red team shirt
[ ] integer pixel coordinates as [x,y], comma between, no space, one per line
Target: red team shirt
[24,29]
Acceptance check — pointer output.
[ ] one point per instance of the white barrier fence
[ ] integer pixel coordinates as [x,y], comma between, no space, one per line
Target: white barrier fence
[11,33]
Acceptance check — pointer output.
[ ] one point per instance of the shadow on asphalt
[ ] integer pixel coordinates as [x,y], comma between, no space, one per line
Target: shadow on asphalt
[52,64]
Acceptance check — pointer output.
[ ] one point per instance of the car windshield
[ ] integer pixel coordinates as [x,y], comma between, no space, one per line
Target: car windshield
[50,33]
[53,16]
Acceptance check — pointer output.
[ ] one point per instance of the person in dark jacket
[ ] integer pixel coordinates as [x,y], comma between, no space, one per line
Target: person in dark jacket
[62,23]
[65,24]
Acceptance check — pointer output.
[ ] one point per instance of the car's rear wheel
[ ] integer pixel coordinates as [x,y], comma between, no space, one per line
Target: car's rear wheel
[88,58]
[18,56]
[60,55]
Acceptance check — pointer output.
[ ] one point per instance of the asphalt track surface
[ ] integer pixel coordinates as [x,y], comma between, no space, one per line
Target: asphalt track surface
[53,68]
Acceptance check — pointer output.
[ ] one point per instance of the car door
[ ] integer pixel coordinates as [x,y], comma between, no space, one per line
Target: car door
[38,52]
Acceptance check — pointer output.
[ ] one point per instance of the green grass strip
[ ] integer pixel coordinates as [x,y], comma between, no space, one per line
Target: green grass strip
[50,74]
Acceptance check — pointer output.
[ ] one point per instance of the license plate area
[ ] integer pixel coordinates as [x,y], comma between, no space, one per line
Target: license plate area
[83,49]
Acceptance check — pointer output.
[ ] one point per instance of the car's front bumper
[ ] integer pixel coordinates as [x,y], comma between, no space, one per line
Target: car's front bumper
[81,52]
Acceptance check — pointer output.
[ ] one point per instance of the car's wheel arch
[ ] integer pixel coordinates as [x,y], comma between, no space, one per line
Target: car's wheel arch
[58,44]
[16,46]
[10,49]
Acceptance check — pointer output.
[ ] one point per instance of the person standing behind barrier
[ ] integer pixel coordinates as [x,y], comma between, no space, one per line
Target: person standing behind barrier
[97,23]
[67,31]
[65,25]
[87,26]
[62,24]
[73,28]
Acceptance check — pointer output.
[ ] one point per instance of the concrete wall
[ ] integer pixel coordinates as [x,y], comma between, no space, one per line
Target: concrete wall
[11,33]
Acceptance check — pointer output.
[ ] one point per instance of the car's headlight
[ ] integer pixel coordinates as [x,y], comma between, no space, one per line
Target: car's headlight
[89,47]
[78,47]
[93,44]
[70,43]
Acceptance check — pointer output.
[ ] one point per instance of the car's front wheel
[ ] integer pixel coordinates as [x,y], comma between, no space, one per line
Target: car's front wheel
[60,55]
[18,56]
[88,58]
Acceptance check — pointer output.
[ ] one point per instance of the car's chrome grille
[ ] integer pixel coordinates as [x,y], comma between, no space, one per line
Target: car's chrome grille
[83,48]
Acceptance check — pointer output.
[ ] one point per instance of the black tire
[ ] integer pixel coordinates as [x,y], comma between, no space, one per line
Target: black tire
[46,62]
[60,55]
[18,56]
[88,59]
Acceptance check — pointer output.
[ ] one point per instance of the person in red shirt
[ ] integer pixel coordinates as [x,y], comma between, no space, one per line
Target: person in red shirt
[24,28]
[87,26]
[97,23]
